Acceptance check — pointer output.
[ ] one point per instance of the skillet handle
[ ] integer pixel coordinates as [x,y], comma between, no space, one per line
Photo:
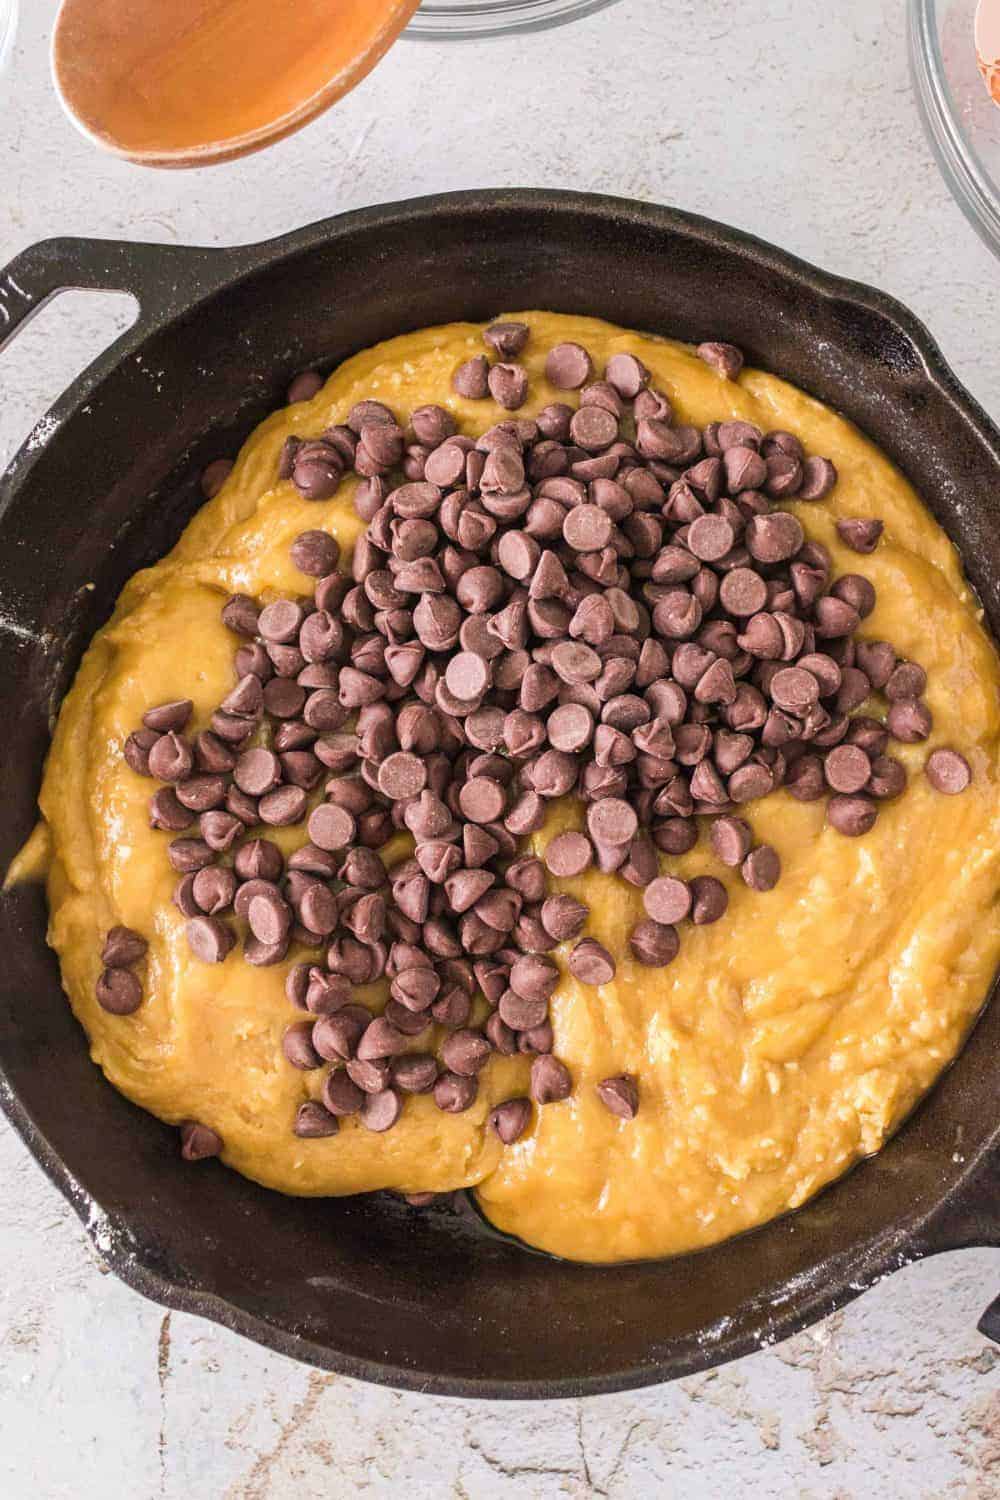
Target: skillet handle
[989,1323]
[988,1196]
[164,279]
[972,1217]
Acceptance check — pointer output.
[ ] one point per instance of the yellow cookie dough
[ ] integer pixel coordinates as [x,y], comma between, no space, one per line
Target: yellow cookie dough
[784,1042]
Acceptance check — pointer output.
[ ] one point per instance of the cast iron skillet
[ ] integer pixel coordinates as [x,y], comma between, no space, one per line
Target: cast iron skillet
[435,1301]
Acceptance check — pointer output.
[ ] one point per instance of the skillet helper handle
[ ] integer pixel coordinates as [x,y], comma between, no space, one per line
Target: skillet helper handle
[163,279]
[989,1197]
[975,1220]
[989,1323]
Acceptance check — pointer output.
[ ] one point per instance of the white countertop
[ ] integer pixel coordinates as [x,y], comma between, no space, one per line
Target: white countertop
[790,118]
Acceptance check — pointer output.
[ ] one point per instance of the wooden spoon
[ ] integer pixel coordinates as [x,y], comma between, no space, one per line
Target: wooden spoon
[183,83]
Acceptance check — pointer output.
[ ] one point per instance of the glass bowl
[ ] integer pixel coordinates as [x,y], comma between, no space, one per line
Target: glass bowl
[8,25]
[962,121]
[466,20]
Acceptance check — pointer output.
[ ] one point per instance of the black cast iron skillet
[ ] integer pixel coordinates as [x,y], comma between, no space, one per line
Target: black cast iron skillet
[435,1301]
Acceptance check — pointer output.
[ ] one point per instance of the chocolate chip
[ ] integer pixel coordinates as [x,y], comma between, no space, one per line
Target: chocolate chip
[860,534]
[285,699]
[166,812]
[909,721]
[123,946]
[563,917]
[725,358]
[612,821]
[847,768]
[371,1075]
[281,621]
[220,830]
[296,1044]
[818,478]
[762,868]
[415,1073]
[587,528]
[269,917]
[852,816]
[667,900]
[653,944]
[550,1080]
[201,793]
[508,339]
[209,939]
[521,1012]
[568,854]
[380,1111]
[432,424]
[240,614]
[676,835]
[626,374]
[710,537]
[620,1095]
[731,840]
[230,728]
[641,863]
[455,1094]
[313,1122]
[381,1039]
[168,717]
[171,758]
[213,889]
[795,689]
[508,385]
[709,900]
[183,897]
[877,660]
[315,553]
[336,1036]
[136,750]
[888,778]
[510,1119]
[591,963]
[257,771]
[264,955]
[470,380]
[856,591]
[533,977]
[750,782]
[773,538]
[198,1142]
[465,1052]
[906,680]
[482,800]
[568,366]
[119,992]
[331,827]
[947,771]
[593,428]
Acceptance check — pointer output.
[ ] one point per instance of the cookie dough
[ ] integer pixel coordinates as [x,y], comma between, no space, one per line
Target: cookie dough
[781,1045]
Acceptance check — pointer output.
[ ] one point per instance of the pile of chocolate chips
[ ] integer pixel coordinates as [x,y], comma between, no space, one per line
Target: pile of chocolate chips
[599,603]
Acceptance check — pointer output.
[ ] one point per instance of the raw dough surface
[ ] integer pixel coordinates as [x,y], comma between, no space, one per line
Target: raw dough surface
[783,1043]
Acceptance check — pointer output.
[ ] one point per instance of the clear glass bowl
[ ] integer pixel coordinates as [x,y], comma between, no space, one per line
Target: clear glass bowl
[962,121]
[466,20]
[8,24]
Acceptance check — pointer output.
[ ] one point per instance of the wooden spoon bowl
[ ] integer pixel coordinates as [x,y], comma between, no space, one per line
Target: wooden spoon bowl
[185,83]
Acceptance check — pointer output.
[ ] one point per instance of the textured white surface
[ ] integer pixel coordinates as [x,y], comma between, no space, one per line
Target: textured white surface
[793,119]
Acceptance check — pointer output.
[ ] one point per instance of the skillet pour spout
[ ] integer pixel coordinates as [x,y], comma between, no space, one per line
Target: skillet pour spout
[367,1286]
